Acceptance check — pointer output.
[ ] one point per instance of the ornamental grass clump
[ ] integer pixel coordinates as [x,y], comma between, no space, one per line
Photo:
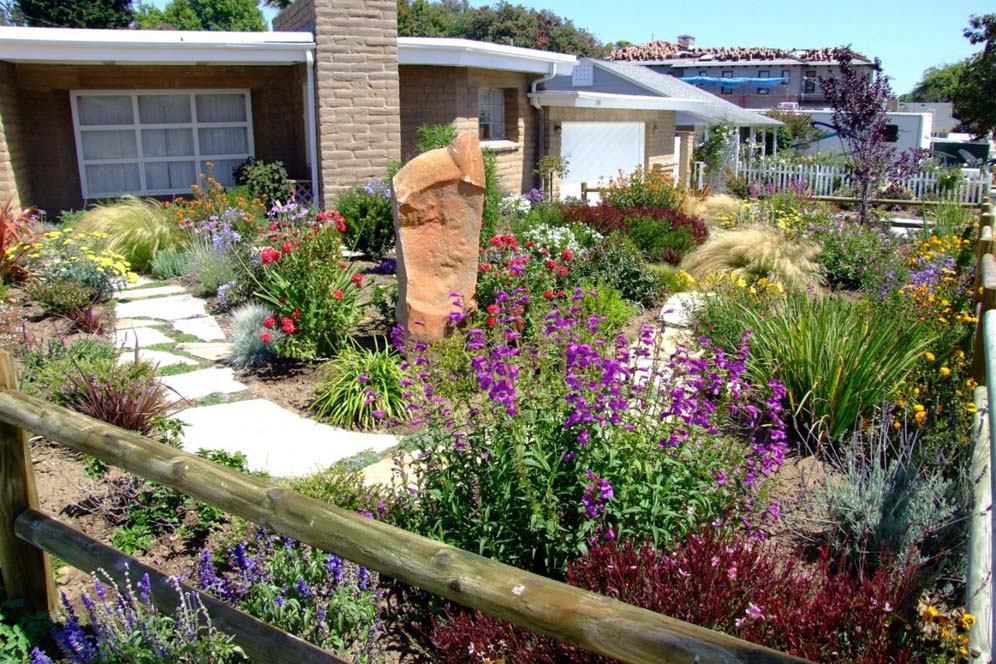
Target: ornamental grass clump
[119,626]
[316,596]
[361,388]
[570,438]
[136,229]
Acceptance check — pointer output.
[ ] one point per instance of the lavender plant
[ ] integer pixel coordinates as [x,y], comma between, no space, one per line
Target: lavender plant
[571,438]
[122,628]
[319,597]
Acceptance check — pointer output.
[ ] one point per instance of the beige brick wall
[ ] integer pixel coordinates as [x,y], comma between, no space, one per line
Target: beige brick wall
[445,95]
[359,125]
[277,109]
[299,16]
[659,130]
[13,150]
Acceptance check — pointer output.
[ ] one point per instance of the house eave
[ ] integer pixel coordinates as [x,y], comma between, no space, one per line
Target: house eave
[445,52]
[581,99]
[152,47]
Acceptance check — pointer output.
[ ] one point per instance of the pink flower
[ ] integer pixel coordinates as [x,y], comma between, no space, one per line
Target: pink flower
[270,323]
[287,325]
[754,611]
[269,255]
[265,337]
[567,255]
[357,279]
[338,294]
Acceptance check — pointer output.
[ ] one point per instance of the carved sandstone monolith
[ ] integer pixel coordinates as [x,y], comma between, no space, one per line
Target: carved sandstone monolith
[438,199]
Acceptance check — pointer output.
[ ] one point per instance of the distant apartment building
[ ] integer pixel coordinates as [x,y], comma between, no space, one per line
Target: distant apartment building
[943,111]
[750,77]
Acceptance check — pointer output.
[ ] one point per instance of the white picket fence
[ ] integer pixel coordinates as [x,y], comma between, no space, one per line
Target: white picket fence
[824,180]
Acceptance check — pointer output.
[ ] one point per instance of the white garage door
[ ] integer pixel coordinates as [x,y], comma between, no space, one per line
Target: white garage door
[598,150]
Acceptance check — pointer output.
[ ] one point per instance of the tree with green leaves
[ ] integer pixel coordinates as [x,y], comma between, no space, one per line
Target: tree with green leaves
[976,87]
[234,15]
[937,83]
[111,14]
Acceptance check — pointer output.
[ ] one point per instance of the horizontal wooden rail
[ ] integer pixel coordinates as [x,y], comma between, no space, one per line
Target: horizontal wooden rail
[594,622]
[261,641]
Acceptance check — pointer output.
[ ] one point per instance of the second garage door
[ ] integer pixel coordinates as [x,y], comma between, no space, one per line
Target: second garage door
[599,150]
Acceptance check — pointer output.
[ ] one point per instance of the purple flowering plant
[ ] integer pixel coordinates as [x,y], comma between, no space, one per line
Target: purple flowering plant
[117,626]
[328,601]
[570,438]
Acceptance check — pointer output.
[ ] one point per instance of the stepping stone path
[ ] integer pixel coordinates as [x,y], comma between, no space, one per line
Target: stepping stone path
[274,439]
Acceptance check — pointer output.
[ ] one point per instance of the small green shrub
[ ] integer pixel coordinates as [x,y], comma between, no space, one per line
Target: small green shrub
[17,637]
[609,305]
[345,488]
[249,348]
[264,180]
[617,262]
[431,137]
[68,255]
[673,279]
[658,241]
[43,368]
[369,218]
[643,188]
[362,388]
[62,298]
[491,214]
[70,217]
[170,264]
[136,229]
[210,267]
[858,256]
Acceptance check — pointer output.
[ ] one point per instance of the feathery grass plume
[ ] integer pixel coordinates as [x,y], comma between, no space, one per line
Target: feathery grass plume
[249,347]
[137,229]
[756,252]
[711,207]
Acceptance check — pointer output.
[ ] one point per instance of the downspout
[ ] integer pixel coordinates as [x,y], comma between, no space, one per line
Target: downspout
[541,142]
[312,128]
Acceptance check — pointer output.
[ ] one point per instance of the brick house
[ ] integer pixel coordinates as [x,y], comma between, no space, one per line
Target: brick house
[333,93]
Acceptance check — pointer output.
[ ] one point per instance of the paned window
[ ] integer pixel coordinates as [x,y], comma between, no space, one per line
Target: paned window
[158,142]
[491,113]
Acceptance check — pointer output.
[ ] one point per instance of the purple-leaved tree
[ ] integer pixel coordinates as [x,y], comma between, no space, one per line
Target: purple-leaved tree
[859,103]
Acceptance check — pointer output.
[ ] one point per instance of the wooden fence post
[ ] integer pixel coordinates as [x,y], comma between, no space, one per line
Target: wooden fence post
[25,569]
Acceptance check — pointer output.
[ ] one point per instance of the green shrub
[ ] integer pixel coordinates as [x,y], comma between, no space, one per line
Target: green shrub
[673,279]
[491,214]
[62,298]
[431,137]
[838,360]
[755,252]
[70,217]
[170,264]
[369,218]
[858,256]
[362,388]
[886,505]
[609,305]
[617,262]
[345,488]
[43,368]
[136,229]
[540,216]
[68,255]
[660,242]
[210,267]
[643,188]
[264,180]
[249,323]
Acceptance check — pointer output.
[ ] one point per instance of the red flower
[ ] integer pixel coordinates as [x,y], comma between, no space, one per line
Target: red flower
[265,337]
[492,309]
[530,244]
[550,264]
[491,321]
[562,270]
[548,294]
[287,247]
[484,267]
[269,323]
[338,294]
[357,279]
[269,255]
[343,266]
[297,312]
[567,255]
[287,325]
[273,227]
[322,216]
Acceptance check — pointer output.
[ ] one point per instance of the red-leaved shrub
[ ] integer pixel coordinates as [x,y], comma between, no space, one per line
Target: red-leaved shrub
[607,219]
[728,584]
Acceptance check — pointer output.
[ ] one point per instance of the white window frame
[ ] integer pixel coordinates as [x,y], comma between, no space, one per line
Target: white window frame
[492,124]
[137,126]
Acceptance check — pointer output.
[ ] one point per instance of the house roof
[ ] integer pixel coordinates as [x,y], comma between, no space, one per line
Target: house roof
[171,47]
[449,52]
[667,52]
[707,107]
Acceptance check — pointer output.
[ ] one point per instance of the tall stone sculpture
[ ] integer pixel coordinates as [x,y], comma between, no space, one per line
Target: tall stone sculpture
[438,198]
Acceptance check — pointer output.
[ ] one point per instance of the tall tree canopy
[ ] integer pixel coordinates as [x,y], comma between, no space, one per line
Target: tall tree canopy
[976,87]
[83,14]
[937,83]
[503,23]
[237,15]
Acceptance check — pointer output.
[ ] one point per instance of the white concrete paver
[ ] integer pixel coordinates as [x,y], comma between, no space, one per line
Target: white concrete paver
[172,307]
[159,357]
[156,291]
[679,310]
[273,438]
[198,384]
[204,328]
[144,336]
[207,351]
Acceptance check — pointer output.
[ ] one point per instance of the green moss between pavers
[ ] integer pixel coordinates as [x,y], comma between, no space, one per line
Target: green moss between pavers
[213,399]
[155,283]
[163,346]
[176,369]
[183,338]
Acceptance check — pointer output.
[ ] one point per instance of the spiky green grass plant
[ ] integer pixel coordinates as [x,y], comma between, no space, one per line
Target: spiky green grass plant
[362,388]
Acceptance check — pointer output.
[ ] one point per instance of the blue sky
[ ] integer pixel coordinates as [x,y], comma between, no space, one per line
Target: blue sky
[907,35]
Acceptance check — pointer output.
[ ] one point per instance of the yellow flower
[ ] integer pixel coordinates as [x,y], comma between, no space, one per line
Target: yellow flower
[945,372]
[930,356]
[970,407]
[896,425]
[918,408]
